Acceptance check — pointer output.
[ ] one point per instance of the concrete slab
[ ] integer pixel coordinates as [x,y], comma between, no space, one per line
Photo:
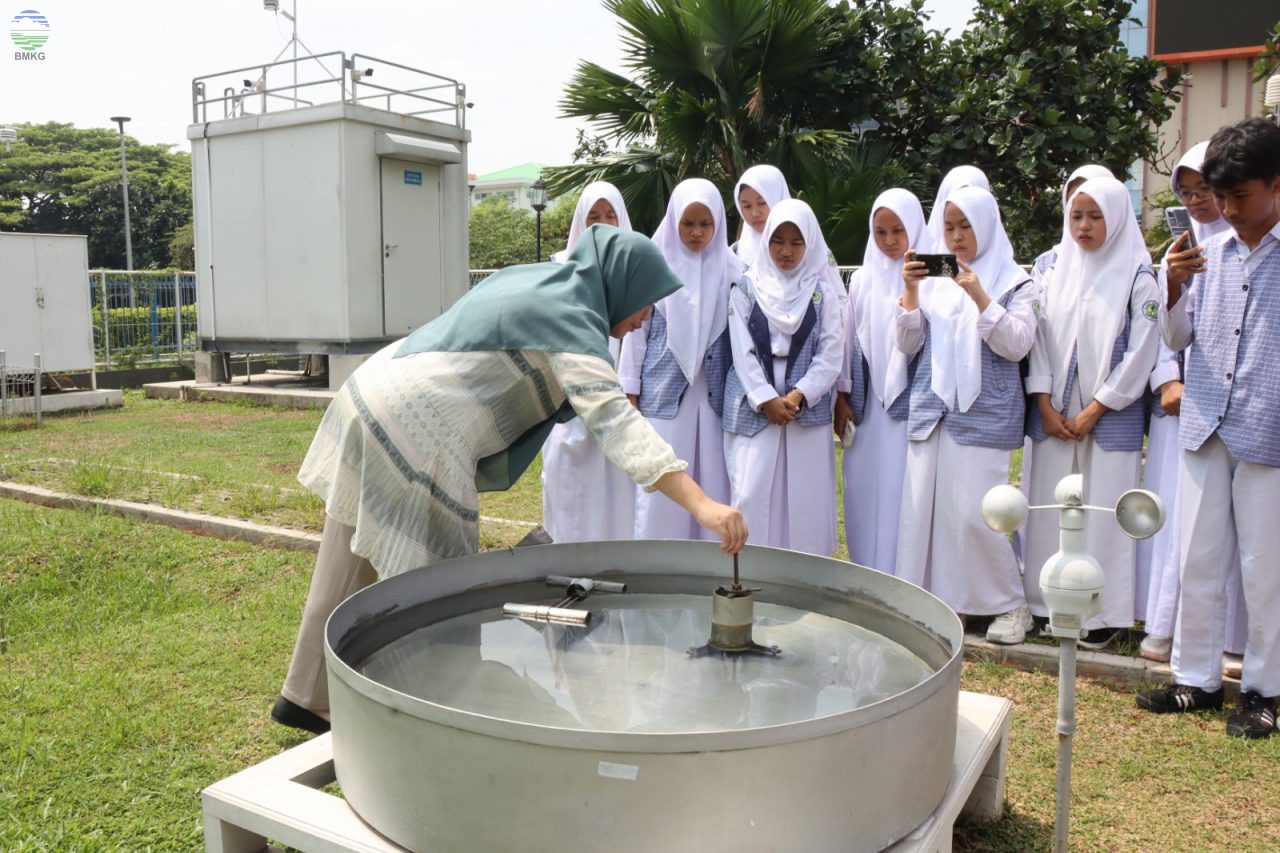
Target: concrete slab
[67,401]
[268,389]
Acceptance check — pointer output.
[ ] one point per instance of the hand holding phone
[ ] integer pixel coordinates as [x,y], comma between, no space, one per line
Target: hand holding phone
[1184,258]
[939,266]
[1179,222]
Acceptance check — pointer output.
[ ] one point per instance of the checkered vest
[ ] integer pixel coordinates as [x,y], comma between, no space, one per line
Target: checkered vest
[861,390]
[996,419]
[739,416]
[1115,430]
[663,383]
[1233,362]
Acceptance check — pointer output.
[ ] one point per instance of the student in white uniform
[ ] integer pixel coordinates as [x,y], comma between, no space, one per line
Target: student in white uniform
[966,414]
[1039,268]
[757,191]
[1158,561]
[960,176]
[1229,322]
[1049,257]
[673,368]
[875,376]
[787,336]
[1090,364]
[584,496]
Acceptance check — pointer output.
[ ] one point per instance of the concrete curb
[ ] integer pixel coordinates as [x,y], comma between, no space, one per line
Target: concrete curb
[264,393]
[192,522]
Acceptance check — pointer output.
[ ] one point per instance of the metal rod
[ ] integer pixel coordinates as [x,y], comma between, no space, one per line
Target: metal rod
[177,311]
[1066,728]
[106,320]
[35,388]
[4,386]
[736,583]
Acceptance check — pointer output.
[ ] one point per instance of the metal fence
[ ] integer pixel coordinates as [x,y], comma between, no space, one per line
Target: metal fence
[18,384]
[142,317]
[148,317]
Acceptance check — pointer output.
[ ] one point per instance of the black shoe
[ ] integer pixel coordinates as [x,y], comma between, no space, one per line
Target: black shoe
[1177,698]
[298,717]
[1098,639]
[1253,717]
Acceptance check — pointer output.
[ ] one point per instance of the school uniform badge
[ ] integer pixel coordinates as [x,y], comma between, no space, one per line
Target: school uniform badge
[817,295]
[1151,310]
[1035,307]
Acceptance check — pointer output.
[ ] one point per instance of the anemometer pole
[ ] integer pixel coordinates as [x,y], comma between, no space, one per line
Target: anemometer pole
[1071,582]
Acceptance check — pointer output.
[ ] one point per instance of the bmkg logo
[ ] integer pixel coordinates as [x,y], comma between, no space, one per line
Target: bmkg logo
[29,31]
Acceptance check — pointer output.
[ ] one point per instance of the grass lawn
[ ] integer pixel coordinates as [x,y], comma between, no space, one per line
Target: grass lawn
[231,459]
[142,661]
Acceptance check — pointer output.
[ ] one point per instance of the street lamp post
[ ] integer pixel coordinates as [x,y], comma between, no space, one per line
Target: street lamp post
[538,201]
[124,187]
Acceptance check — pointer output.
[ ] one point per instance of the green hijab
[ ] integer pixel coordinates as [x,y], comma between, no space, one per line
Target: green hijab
[568,307]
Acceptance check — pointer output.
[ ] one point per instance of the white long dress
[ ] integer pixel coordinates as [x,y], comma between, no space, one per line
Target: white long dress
[943,543]
[395,454]
[1107,473]
[585,497]
[783,478]
[873,469]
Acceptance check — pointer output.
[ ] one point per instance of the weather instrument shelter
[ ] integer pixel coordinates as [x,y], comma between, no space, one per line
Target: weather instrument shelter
[330,199]
[44,301]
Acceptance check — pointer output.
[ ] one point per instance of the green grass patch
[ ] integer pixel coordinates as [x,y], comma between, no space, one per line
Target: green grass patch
[235,458]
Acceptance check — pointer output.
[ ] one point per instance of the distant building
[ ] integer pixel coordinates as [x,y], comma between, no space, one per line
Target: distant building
[1216,46]
[513,184]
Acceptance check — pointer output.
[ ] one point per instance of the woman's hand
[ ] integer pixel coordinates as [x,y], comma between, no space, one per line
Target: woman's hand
[780,411]
[1082,424]
[968,281]
[635,400]
[1181,265]
[843,415]
[1054,424]
[1171,397]
[913,272]
[724,521]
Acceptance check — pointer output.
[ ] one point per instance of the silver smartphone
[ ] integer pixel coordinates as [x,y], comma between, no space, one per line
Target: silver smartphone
[1179,222]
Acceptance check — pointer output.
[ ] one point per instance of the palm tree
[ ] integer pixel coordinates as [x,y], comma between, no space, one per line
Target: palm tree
[715,86]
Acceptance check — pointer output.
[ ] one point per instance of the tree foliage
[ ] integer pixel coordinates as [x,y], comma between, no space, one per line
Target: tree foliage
[711,90]
[60,179]
[1040,88]
[850,98]
[503,234]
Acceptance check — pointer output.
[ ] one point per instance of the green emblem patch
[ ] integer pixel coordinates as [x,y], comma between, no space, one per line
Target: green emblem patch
[817,295]
[1035,307]
[1152,310]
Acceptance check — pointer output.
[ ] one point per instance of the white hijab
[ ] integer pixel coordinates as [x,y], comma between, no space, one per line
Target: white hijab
[1087,292]
[953,317]
[960,176]
[1194,160]
[592,193]
[875,305]
[772,186]
[1085,172]
[784,296]
[697,313]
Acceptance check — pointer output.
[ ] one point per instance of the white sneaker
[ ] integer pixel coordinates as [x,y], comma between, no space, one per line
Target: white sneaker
[1011,628]
[1156,648]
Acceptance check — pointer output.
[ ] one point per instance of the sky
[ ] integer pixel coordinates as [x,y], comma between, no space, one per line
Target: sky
[104,59]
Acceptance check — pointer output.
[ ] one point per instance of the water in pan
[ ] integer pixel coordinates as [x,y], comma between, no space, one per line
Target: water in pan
[629,670]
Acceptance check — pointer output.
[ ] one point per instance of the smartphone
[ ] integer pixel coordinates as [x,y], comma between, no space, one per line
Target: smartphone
[941,266]
[1179,222]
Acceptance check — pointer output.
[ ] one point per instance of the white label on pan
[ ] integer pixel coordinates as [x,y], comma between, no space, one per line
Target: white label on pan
[609,770]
